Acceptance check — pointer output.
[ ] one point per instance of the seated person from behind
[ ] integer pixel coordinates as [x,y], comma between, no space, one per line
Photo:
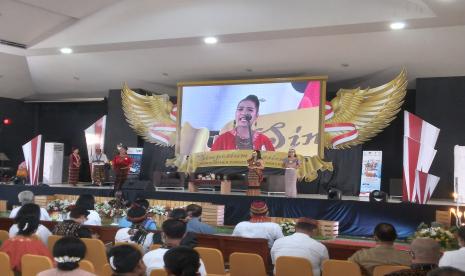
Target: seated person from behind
[26,197]
[87,202]
[384,253]
[189,239]
[194,223]
[137,233]
[301,244]
[30,209]
[259,225]
[182,261]
[446,271]
[75,225]
[173,233]
[456,258]
[425,257]
[126,260]
[148,223]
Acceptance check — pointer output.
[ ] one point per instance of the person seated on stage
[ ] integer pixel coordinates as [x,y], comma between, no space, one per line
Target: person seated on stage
[194,224]
[173,233]
[137,233]
[384,253]
[149,223]
[189,239]
[25,197]
[87,202]
[30,209]
[301,244]
[182,261]
[24,242]
[446,271]
[455,258]
[74,226]
[126,260]
[67,253]
[260,225]
[425,257]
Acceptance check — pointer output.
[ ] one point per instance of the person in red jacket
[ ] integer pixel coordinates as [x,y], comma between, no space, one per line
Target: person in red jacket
[121,164]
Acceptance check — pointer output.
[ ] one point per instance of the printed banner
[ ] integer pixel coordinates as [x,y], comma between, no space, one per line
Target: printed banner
[459,173]
[95,135]
[371,172]
[136,156]
[32,151]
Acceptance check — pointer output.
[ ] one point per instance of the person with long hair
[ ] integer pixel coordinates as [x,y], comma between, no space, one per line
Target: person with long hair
[182,261]
[291,164]
[239,137]
[30,209]
[255,175]
[121,165]
[74,165]
[67,253]
[24,242]
[136,233]
[126,260]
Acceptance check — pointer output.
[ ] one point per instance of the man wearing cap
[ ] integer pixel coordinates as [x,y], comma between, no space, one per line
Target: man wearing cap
[25,197]
[260,225]
[98,161]
[137,232]
[301,244]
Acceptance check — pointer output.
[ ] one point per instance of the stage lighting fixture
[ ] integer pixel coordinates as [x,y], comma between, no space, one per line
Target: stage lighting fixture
[7,121]
[334,194]
[378,196]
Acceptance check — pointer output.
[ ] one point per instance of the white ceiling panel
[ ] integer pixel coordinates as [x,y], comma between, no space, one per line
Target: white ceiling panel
[15,80]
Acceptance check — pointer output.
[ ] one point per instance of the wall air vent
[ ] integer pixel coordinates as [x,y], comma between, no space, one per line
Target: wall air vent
[13,44]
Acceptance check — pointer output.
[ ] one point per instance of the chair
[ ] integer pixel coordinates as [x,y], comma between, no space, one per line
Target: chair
[168,180]
[382,270]
[135,245]
[212,259]
[286,265]
[52,239]
[4,235]
[246,264]
[158,272]
[87,266]
[106,270]
[96,254]
[5,268]
[31,265]
[338,267]
[155,246]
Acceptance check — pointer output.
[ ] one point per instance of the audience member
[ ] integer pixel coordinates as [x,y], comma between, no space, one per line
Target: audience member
[182,261]
[384,253]
[30,209]
[194,223]
[190,238]
[425,257]
[67,253]
[259,225]
[173,233]
[446,271]
[87,202]
[148,223]
[456,258]
[23,243]
[74,226]
[126,260]
[26,197]
[301,244]
[137,233]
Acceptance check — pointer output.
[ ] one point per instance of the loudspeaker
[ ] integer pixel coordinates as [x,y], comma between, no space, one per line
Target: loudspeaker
[135,184]
[395,187]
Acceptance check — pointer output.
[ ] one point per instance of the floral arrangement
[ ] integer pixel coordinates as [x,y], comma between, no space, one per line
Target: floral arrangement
[58,205]
[444,237]
[158,210]
[109,210]
[288,227]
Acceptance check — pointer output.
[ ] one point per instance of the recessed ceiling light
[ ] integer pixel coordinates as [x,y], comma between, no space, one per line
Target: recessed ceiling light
[66,50]
[344,64]
[165,74]
[249,70]
[210,40]
[397,25]
[76,78]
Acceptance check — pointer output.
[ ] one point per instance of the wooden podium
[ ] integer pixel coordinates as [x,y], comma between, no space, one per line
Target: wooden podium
[225,185]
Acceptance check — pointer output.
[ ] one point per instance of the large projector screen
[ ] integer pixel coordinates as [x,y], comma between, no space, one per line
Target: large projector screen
[266,114]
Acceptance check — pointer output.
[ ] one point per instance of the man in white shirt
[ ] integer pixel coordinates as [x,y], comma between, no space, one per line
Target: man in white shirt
[260,225]
[455,258]
[98,161]
[173,232]
[301,244]
[26,197]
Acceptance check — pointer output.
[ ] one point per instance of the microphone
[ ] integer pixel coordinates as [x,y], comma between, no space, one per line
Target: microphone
[248,117]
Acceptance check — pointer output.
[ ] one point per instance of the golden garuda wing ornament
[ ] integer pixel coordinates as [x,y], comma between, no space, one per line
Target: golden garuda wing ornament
[355,116]
[151,116]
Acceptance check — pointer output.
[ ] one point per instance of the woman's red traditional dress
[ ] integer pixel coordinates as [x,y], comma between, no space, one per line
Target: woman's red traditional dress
[254,177]
[74,165]
[121,165]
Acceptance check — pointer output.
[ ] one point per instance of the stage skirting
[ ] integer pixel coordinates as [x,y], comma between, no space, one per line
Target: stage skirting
[356,218]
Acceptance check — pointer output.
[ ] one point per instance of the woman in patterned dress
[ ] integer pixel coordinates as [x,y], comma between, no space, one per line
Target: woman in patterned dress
[74,165]
[121,164]
[291,164]
[255,175]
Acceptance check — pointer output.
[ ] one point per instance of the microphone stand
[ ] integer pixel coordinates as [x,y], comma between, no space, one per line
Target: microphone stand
[250,133]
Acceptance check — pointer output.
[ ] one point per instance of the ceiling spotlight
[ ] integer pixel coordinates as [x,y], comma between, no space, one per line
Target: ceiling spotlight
[66,50]
[165,74]
[397,25]
[344,64]
[210,40]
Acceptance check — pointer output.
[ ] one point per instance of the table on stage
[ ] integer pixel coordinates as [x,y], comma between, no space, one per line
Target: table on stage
[225,185]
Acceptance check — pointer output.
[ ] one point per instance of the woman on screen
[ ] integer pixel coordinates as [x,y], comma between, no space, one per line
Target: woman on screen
[291,164]
[255,175]
[239,137]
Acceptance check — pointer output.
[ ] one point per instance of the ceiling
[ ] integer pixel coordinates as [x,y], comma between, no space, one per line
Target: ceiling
[154,44]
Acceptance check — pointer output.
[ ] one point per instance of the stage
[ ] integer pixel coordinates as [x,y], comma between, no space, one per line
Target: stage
[356,215]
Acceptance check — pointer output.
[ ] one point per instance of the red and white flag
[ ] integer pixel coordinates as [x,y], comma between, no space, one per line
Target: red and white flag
[32,151]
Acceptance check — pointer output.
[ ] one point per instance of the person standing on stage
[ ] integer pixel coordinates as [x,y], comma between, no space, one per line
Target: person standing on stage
[121,164]
[291,164]
[98,161]
[255,175]
[74,165]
